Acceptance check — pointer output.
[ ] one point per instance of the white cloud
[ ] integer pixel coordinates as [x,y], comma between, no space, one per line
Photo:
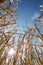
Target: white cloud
[35,15]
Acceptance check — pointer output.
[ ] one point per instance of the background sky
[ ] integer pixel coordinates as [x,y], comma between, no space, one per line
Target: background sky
[27,11]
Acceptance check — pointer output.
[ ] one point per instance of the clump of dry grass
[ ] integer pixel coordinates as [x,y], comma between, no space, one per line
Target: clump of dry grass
[26,52]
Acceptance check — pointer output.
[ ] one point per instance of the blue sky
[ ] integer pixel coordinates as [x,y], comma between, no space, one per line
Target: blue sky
[27,11]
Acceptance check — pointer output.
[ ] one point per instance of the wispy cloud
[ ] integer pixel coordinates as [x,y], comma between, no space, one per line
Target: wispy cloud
[35,15]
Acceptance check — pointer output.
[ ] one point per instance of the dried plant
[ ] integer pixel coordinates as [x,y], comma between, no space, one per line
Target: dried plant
[26,51]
